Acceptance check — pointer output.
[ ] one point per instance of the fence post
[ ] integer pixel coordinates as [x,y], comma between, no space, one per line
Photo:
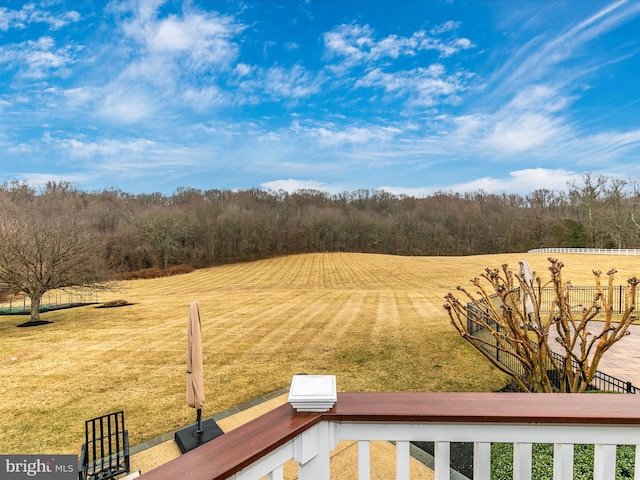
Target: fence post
[620,300]
[628,387]
[497,344]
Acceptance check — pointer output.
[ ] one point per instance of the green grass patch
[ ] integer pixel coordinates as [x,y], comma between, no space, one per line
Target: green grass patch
[542,461]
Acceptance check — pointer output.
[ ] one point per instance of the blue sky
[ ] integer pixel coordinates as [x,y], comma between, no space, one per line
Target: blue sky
[407,96]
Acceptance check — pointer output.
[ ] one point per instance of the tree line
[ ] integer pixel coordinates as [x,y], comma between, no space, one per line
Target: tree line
[210,227]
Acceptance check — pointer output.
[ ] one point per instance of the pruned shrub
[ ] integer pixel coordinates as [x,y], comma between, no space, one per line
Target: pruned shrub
[114,303]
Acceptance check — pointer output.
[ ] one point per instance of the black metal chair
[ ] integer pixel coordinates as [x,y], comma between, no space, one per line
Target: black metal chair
[105,453]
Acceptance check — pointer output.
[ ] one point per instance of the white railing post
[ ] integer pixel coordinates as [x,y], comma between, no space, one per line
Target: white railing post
[312,451]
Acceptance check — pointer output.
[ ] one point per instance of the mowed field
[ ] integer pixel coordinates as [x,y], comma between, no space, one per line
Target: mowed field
[375,321]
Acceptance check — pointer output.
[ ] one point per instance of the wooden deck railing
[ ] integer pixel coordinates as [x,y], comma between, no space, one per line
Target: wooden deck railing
[262,446]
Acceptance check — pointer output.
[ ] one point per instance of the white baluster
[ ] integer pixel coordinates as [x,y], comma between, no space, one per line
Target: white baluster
[442,452]
[522,461]
[277,474]
[402,460]
[562,461]
[481,461]
[364,460]
[604,462]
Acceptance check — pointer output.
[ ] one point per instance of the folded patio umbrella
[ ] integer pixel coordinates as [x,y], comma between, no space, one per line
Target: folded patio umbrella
[195,387]
[527,275]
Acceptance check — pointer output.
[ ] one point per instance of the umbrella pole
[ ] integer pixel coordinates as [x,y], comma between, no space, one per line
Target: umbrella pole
[199,422]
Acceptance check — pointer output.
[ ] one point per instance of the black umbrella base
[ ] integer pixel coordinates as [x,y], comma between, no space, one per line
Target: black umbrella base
[187,438]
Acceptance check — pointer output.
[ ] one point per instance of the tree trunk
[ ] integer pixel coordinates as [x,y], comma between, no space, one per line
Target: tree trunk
[35,307]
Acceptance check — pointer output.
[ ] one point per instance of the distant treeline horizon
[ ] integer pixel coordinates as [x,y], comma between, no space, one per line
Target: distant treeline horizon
[211,227]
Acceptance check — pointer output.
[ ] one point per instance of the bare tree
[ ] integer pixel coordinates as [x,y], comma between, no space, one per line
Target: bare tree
[39,253]
[164,230]
[588,201]
[507,305]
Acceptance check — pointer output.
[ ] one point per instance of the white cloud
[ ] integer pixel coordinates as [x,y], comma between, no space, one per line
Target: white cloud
[332,136]
[196,40]
[255,85]
[426,86]
[536,122]
[242,69]
[30,13]
[445,27]
[39,59]
[201,99]
[463,43]
[292,185]
[533,122]
[539,59]
[177,63]
[127,107]
[522,133]
[37,180]
[78,96]
[349,41]
[423,86]
[539,97]
[416,192]
[171,35]
[289,83]
[600,149]
[78,148]
[357,44]
[520,181]
[20,148]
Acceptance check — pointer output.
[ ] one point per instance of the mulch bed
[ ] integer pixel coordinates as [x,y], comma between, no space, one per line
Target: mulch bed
[34,324]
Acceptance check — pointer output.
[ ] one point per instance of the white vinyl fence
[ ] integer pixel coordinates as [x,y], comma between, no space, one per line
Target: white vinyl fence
[598,251]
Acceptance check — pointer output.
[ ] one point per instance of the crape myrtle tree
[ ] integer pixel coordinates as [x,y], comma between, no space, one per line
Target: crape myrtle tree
[42,252]
[505,314]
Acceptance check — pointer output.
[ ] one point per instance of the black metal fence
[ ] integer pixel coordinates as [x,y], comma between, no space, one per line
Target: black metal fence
[601,381]
[579,297]
[21,305]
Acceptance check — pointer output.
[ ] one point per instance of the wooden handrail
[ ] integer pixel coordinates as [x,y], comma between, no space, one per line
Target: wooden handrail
[235,450]
[595,409]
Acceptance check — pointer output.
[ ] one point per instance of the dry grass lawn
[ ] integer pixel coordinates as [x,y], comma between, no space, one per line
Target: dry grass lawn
[374,321]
